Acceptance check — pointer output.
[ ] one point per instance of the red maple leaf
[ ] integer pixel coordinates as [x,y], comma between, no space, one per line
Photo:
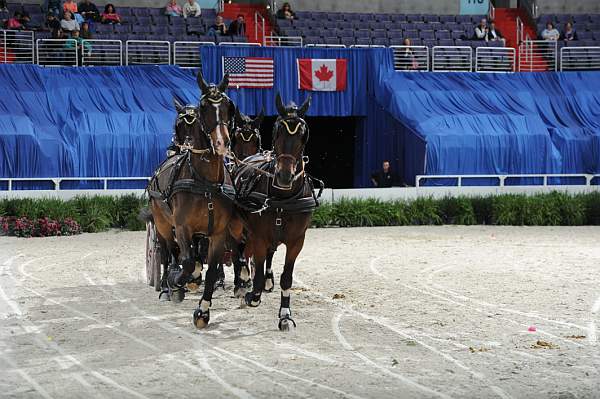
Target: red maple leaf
[324,74]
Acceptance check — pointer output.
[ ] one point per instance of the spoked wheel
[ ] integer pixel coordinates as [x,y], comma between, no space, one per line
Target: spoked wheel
[152,257]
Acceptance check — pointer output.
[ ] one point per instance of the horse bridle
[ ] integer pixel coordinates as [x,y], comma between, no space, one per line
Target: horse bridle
[291,131]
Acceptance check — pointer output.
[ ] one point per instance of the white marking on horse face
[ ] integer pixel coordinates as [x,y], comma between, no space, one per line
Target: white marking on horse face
[220,144]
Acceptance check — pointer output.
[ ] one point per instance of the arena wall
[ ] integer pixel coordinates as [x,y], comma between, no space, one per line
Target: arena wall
[568,7]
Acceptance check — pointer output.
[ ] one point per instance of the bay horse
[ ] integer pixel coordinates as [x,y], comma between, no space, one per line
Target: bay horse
[195,197]
[277,184]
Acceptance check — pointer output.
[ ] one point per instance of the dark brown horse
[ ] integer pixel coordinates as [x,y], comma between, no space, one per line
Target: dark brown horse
[196,193]
[278,185]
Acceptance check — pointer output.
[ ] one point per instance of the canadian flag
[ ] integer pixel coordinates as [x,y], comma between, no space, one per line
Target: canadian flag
[322,74]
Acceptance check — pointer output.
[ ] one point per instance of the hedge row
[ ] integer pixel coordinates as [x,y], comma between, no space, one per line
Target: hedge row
[101,213]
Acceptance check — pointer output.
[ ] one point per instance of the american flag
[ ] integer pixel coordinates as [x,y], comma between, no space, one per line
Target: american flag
[249,72]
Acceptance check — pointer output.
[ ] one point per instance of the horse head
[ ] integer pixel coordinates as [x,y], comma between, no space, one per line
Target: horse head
[246,139]
[216,114]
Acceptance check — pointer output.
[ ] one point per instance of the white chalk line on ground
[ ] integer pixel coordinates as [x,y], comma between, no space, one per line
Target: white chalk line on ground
[56,347]
[592,336]
[386,324]
[335,326]
[38,388]
[443,295]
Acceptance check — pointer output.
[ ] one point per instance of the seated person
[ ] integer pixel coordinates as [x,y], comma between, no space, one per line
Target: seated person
[82,45]
[85,31]
[68,24]
[14,23]
[172,9]
[70,5]
[191,9]
[410,61]
[550,33]
[481,30]
[89,11]
[238,27]
[494,34]
[53,6]
[569,33]
[52,23]
[285,12]
[385,177]
[218,28]
[110,16]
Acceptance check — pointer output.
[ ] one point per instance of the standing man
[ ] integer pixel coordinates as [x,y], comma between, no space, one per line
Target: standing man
[385,177]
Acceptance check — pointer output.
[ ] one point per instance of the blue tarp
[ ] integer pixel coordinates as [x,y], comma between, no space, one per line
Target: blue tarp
[473,123]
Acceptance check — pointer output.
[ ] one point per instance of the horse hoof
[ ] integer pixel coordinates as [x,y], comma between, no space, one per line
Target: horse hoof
[178,295]
[201,318]
[252,300]
[220,283]
[239,292]
[269,284]
[286,324]
[164,296]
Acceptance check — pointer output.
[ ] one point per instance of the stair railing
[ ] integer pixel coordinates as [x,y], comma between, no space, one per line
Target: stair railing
[492,12]
[259,23]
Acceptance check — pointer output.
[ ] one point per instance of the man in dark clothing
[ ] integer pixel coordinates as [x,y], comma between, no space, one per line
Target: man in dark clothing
[238,27]
[88,10]
[385,177]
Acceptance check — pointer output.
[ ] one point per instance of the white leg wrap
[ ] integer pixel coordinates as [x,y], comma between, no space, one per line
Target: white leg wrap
[284,312]
[204,305]
[285,292]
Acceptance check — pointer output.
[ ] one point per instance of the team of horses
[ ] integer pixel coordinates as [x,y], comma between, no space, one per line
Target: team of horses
[221,185]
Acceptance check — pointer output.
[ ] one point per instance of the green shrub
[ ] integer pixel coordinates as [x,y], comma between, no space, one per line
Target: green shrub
[591,204]
[423,211]
[457,210]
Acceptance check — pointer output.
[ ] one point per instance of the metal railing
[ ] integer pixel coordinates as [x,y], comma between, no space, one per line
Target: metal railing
[16,47]
[492,12]
[56,181]
[495,59]
[187,54]
[259,27]
[57,52]
[147,52]
[579,58]
[544,179]
[239,44]
[411,58]
[102,52]
[537,55]
[282,41]
[520,31]
[325,45]
[451,59]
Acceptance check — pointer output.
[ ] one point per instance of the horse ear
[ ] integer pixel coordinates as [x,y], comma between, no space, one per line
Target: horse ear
[259,118]
[304,108]
[202,83]
[279,105]
[224,83]
[179,107]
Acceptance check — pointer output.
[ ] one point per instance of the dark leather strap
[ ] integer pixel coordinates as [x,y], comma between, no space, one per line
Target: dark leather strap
[278,226]
[211,215]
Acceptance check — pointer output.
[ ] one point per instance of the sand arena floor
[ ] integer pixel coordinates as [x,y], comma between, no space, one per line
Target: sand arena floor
[382,313]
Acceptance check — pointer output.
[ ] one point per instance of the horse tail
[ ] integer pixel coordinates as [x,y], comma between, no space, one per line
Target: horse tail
[145,215]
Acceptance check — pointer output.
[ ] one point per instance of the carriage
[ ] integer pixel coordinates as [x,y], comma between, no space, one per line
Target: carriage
[261,200]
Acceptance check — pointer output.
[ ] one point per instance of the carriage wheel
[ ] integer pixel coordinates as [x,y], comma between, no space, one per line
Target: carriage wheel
[156,273]
[150,242]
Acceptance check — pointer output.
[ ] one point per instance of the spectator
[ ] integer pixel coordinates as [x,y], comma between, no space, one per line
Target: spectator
[285,12]
[85,31]
[14,23]
[238,27]
[550,33]
[410,61]
[68,23]
[494,34]
[218,28]
[25,20]
[53,6]
[82,45]
[481,30]
[4,13]
[52,23]
[110,16]
[172,9]
[191,9]
[569,33]
[70,5]
[385,177]
[89,11]
[3,6]
[58,34]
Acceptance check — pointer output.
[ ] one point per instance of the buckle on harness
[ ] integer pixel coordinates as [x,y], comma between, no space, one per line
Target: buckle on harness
[210,206]
[278,222]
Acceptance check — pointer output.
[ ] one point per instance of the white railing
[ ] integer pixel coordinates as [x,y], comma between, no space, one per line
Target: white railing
[579,58]
[495,59]
[451,59]
[102,52]
[187,54]
[411,58]
[324,45]
[239,44]
[492,12]
[56,181]
[16,47]
[147,52]
[219,6]
[367,46]
[520,31]
[259,27]
[57,52]
[537,55]
[544,179]
[281,41]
